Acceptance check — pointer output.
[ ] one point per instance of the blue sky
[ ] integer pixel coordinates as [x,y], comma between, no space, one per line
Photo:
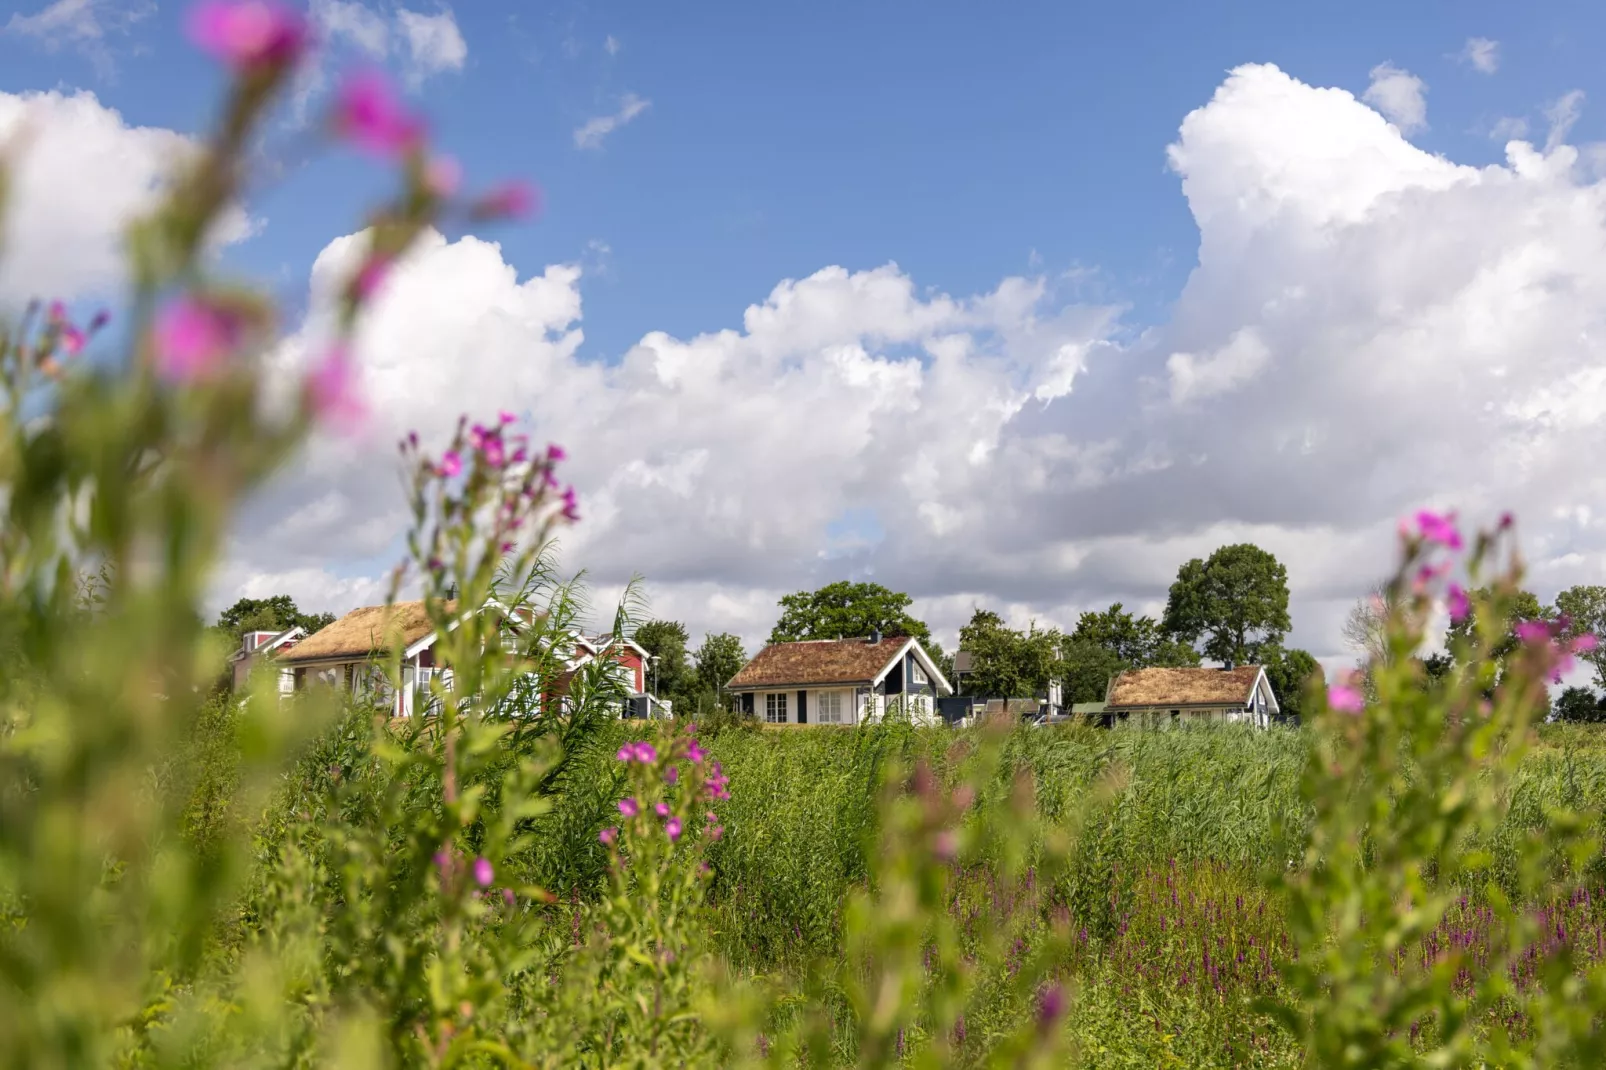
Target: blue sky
[1166,276]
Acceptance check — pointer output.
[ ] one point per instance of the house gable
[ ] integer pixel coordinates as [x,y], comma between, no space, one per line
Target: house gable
[1185,688]
[832,662]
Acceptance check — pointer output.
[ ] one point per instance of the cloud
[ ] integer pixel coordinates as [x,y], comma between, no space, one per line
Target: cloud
[434,43]
[610,45]
[80,175]
[590,134]
[1369,328]
[85,26]
[1483,54]
[1399,95]
[1562,113]
[352,23]
[1507,128]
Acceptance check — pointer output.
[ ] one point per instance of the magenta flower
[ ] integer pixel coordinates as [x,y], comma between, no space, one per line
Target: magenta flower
[332,389]
[662,809]
[451,463]
[248,33]
[494,454]
[505,417]
[372,276]
[646,753]
[1533,631]
[627,753]
[711,817]
[1438,528]
[672,829]
[629,807]
[695,753]
[608,835]
[1345,699]
[483,873]
[1460,605]
[507,896]
[370,116]
[1583,644]
[554,452]
[672,774]
[716,831]
[192,338]
[1050,1006]
[442,175]
[511,200]
[72,340]
[571,505]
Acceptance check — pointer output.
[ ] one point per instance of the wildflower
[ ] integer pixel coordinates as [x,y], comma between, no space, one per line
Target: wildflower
[571,506]
[646,753]
[332,389]
[662,809]
[191,338]
[626,753]
[608,835]
[695,753]
[372,276]
[672,774]
[483,873]
[1533,631]
[507,896]
[511,200]
[1438,528]
[672,829]
[1345,699]
[629,807]
[494,454]
[711,817]
[946,845]
[370,116]
[554,452]
[1460,606]
[505,417]
[1050,1006]
[442,175]
[248,33]
[451,463]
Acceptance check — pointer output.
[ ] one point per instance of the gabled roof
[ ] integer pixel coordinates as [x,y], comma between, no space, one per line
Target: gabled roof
[270,645]
[813,662]
[365,631]
[1184,687]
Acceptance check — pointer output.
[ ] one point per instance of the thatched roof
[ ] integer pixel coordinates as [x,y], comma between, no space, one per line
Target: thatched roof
[370,630]
[1183,687]
[818,661]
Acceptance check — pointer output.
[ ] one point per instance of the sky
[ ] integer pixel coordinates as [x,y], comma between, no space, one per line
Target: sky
[1016,309]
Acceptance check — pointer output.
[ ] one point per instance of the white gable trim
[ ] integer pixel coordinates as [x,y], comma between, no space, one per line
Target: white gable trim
[428,640]
[1271,696]
[939,681]
[275,643]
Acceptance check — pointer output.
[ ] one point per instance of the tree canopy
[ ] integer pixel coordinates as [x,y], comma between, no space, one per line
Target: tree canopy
[669,675]
[1006,663]
[1289,673]
[1585,608]
[269,615]
[845,610]
[719,658]
[1105,644]
[1579,705]
[1236,601]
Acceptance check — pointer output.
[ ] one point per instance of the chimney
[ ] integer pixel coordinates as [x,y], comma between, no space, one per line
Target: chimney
[875,635]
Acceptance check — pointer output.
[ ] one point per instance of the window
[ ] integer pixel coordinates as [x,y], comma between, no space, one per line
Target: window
[775,708]
[917,675]
[830,705]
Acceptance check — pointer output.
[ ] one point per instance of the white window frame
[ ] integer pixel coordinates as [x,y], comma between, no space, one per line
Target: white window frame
[775,708]
[832,707]
[917,675]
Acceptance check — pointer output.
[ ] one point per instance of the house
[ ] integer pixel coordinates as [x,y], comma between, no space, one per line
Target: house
[840,681]
[1161,697]
[258,647]
[347,654]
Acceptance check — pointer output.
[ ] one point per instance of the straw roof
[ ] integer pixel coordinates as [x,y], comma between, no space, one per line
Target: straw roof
[818,661]
[362,632]
[1183,687]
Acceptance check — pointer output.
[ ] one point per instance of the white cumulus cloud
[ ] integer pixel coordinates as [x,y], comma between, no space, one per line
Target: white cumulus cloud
[434,43]
[1399,95]
[85,26]
[1483,54]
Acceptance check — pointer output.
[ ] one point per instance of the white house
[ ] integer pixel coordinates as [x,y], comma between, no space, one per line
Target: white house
[257,647]
[1159,698]
[840,681]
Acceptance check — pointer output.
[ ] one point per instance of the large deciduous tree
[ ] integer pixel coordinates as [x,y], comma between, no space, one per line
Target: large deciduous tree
[1579,705]
[845,610]
[1585,609]
[670,673]
[269,615]
[1236,601]
[1006,663]
[719,658]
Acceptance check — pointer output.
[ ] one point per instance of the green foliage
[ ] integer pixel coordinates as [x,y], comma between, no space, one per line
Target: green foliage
[1579,705]
[670,674]
[719,658]
[269,615]
[1236,600]
[1293,674]
[1108,643]
[1006,663]
[1585,608]
[844,610]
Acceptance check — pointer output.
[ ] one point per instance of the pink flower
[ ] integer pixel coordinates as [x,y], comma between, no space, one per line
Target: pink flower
[1583,644]
[369,114]
[483,873]
[672,829]
[332,389]
[507,896]
[72,340]
[505,417]
[1438,528]
[192,337]
[56,313]
[571,505]
[247,33]
[1460,605]
[1345,699]
[716,832]
[495,456]
[451,464]
[608,835]
[442,175]
[662,809]
[372,276]
[646,753]
[672,774]
[695,753]
[627,753]
[511,200]
[629,807]
[554,452]
[1050,1007]
[711,817]
[1533,631]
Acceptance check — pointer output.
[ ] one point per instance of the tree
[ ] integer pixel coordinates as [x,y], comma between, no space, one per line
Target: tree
[1364,628]
[1006,663]
[844,610]
[1585,609]
[1237,600]
[1525,605]
[269,615]
[1579,705]
[1289,672]
[670,673]
[719,658]
[1105,644]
